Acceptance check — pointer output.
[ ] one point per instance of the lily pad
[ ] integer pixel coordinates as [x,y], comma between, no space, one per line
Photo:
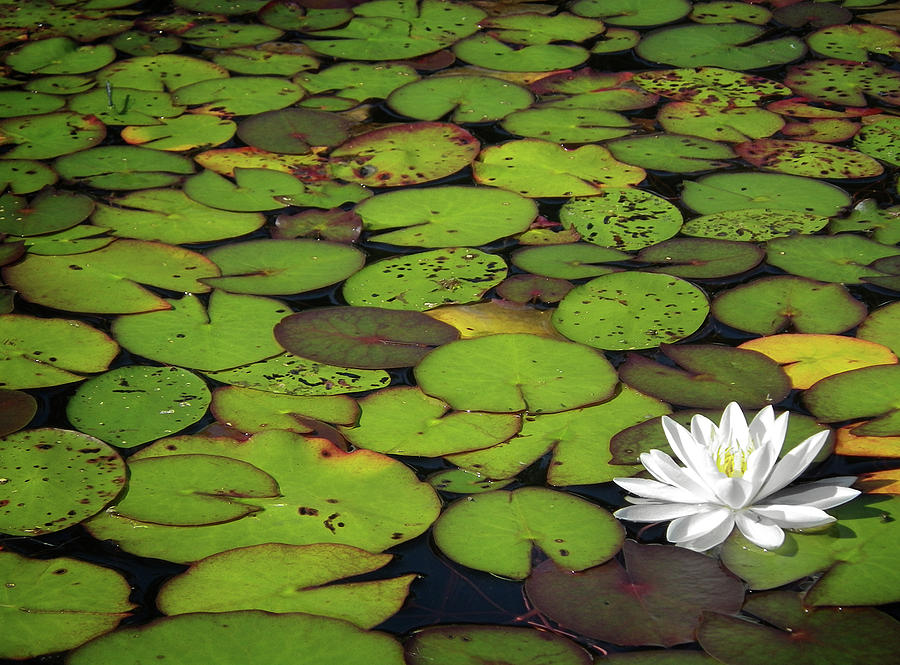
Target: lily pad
[869,392]
[55,478]
[715,123]
[430,279]
[721,192]
[466,98]
[50,135]
[882,327]
[57,604]
[108,280]
[568,125]
[670,152]
[844,83]
[881,140]
[294,578]
[485,51]
[166,71]
[568,261]
[230,35]
[534,28]
[292,15]
[843,258]
[123,167]
[357,81]
[460,481]
[506,373]
[17,408]
[136,42]
[232,638]
[59,55]
[24,176]
[50,211]
[362,337]
[532,288]
[711,86]
[854,42]
[75,240]
[753,225]
[363,499]
[536,168]
[656,598]
[631,310]
[245,95]
[622,218]
[336,225]
[233,331]
[721,11]
[496,531]
[293,130]
[126,106]
[21,103]
[700,258]
[131,405]
[273,59]
[769,305]
[406,421]
[185,132]
[251,410]
[447,216]
[633,13]
[712,376]
[808,158]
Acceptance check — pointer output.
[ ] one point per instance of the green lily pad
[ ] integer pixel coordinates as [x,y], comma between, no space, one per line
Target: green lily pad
[844,83]
[21,103]
[769,305]
[358,81]
[291,15]
[244,95]
[294,578]
[437,277]
[131,405]
[568,261]
[54,478]
[135,42]
[56,604]
[126,106]
[404,154]
[363,499]
[42,352]
[50,135]
[363,337]
[626,310]
[860,393]
[485,51]
[50,211]
[124,167]
[854,42]
[17,408]
[575,82]
[506,373]
[536,168]
[61,85]
[622,218]
[633,13]
[881,327]
[468,98]
[615,40]
[185,132]
[406,421]
[107,281]
[267,60]
[843,258]
[256,411]
[293,130]
[24,176]
[534,28]
[711,86]
[621,97]
[721,192]
[880,140]
[166,71]
[670,152]
[855,554]
[235,330]
[447,216]
[568,125]
[168,215]
[469,645]
[853,636]
[657,598]
[287,374]
[808,158]
[721,11]
[700,258]
[821,130]
[224,7]
[281,267]
[230,35]
[754,225]
[59,55]
[235,637]
[75,240]
[712,376]
[496,531]
[716,123]
[460,481]
[41,19]
[721,45]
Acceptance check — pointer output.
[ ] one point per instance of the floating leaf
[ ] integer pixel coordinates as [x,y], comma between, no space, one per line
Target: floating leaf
[17,408]
[75,240]
[514,372]
[879,482]
[881,140]
[849,443]
[533,28]
[721,192]
[728,12]
[711,86]
[754,225]
[496,531]
[460,481]
[568,261]
[845,258]
[131,405]
[882,327]
[657,598]
[50,211]
[336,225]
[19,103]
[854,42]
[568,125]
[771,304]
[485,51]
[844,83]
[230,35]
[495,316]
[55,478]
[860,393]
[468,98]
[57,604]
[24,176]
[715,123]
[363,337]
[126,106]
[124,167]
[808,158]
[160,72]
[626,310]
[669,152]
[293,130]
[256,410]
[358,81]
[712,376]
[59,55]
[531,288]
[50,135]
[700,258]
[182,133]
[245,95]
[633,12]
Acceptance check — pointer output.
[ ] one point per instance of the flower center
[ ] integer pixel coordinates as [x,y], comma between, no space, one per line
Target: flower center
[731,460]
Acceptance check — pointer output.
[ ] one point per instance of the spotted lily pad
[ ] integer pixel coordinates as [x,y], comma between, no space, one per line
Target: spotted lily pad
[845,83]
[808,158]
[468,98]
[131,405]
[568,125]
[712,376]
[716,123]
[496,531]
[362,337]
[185,132]
[24,176]
[230,35]
[711,86]
[20,103]
[160,72]
[54,478]
[126,106]
[516,372]
[754,225]
[881,140]
[854,42]
[869,392]
[627,310]
[430,279]
[56,604]
[50,135]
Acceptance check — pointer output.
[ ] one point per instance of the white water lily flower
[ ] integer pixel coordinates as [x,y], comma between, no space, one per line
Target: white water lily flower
[732,477]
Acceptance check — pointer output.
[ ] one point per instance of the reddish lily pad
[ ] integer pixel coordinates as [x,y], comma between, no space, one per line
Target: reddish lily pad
[17,408]
[656,598]
[821,130]
[700,258]
[362,337]
[336,225]
[808,158]
[293,130]
[712,376]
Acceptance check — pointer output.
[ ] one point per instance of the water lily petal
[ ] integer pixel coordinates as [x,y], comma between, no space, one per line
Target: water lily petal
[733,429]
[793,517]
[689,450]
[793,464]
[817,494]
[664,469]
[759,468]
[657,512]
[715,537]
[734,492]
[653,489]
[759,530]
[714,519]
[762,424]
[704,431]
[775,433]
